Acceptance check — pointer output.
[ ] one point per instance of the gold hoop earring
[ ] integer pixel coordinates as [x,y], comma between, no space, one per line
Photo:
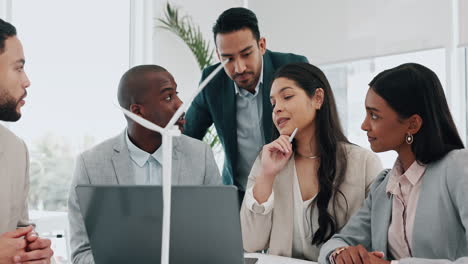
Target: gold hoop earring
[409,138]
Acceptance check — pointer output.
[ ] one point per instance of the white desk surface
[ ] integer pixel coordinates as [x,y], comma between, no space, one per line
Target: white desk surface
[272,259]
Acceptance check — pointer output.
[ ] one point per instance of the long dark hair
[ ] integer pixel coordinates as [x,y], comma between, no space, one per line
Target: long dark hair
[412,89]
[330,136]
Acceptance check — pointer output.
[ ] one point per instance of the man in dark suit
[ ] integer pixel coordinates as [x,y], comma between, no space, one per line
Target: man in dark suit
[237,100]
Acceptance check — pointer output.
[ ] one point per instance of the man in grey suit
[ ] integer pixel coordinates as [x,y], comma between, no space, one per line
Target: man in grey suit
[22,244]
[135,156]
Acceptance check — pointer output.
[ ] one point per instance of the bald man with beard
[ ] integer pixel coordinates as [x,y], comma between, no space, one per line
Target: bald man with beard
[135,156]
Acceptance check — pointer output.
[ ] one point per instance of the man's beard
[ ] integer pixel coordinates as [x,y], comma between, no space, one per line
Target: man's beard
[248,86]
[8,109]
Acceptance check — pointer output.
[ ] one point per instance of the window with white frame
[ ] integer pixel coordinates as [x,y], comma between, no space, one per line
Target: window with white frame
[466,94]
[350,80]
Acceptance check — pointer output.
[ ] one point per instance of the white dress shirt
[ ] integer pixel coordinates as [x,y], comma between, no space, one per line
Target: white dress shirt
[147,167]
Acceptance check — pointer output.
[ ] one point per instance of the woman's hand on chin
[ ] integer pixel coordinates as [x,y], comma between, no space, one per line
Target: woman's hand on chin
[275,156]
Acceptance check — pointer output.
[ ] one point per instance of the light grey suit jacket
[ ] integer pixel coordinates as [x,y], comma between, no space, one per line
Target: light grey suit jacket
[14,181]
[109,163]
[440,225]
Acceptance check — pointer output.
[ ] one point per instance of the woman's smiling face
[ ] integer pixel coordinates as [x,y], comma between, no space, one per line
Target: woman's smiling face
[292,107]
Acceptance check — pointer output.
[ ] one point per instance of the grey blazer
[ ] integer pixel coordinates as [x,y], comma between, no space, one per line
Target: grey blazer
[441,221]
[14,181]
[109,163]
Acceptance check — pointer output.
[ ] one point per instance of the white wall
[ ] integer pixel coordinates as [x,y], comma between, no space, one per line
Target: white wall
[336,31]
[463,21]
[5,10]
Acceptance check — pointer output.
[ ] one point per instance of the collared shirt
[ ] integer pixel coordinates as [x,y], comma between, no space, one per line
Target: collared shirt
[250,139]
[405,188]
[147,167]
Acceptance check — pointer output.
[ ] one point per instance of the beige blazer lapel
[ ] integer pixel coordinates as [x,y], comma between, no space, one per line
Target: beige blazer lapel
[282,230]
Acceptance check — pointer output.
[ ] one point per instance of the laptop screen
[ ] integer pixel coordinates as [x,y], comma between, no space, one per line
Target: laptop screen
[124,223]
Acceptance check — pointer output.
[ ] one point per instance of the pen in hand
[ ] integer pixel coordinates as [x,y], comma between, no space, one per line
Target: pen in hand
[292,135]
[34,232]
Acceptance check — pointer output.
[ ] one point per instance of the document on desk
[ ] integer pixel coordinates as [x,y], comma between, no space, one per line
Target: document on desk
[272,259]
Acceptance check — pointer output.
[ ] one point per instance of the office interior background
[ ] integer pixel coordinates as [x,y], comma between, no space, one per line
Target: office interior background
[76,52]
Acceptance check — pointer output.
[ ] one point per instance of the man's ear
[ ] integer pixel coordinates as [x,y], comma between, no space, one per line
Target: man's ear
[137,109]
[262,45]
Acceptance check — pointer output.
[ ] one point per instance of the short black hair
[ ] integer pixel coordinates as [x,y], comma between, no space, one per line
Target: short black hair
[6,30]
[235,19]
[411,89]
[133,85]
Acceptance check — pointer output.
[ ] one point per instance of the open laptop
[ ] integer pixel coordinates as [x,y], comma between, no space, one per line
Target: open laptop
[124,224]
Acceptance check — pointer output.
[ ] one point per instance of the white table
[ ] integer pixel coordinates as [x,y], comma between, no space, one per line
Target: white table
[272,259]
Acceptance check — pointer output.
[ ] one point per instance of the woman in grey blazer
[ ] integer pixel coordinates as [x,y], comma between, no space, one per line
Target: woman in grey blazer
[417,212]
[300,194]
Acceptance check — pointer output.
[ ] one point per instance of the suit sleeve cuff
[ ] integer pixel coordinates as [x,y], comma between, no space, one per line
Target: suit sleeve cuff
[253,205]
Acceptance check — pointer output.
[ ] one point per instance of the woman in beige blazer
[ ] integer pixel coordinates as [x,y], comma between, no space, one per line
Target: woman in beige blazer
[299,194]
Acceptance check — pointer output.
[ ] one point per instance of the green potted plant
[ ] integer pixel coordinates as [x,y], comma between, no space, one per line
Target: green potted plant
[183,27]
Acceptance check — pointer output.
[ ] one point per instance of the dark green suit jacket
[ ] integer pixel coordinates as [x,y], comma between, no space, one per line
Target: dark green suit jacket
[217,104]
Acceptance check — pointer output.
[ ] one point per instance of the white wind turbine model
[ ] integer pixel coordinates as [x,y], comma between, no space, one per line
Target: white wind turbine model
[168,133]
